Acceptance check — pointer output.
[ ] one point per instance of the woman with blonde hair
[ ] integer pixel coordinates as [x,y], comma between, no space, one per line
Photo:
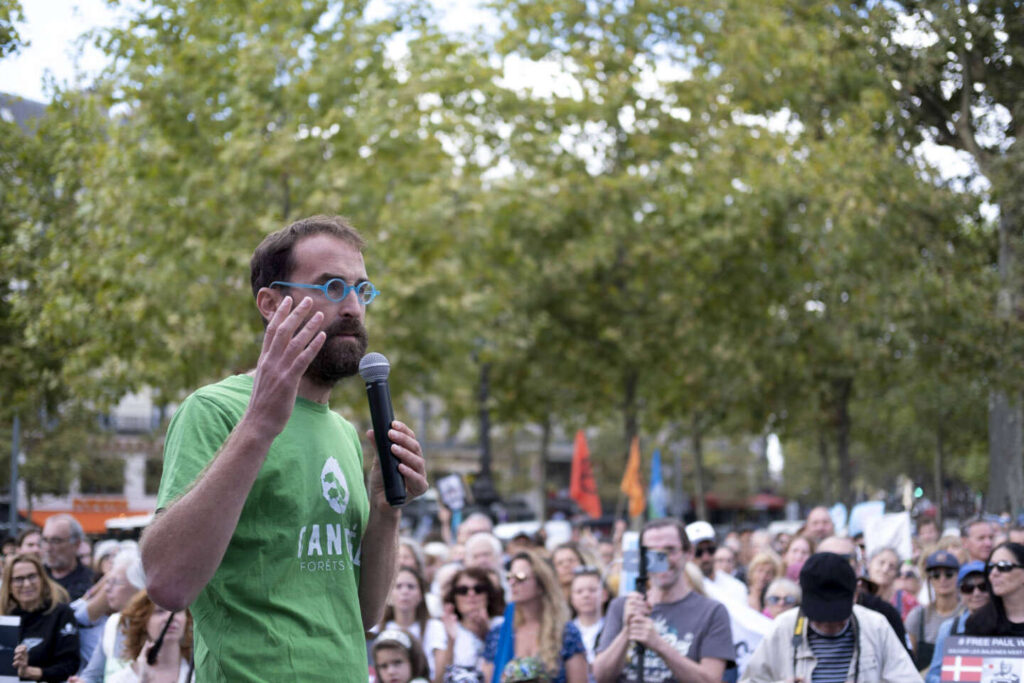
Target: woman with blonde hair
[48,633]
[158,643]
[764,568]
[540,628]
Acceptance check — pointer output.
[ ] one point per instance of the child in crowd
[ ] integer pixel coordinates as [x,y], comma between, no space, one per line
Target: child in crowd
[398,658]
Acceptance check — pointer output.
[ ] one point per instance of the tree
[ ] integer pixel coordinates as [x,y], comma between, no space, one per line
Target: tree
[860,212]
[958,70]
[10,40]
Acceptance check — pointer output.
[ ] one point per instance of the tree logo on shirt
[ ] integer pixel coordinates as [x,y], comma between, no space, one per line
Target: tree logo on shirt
[334,486]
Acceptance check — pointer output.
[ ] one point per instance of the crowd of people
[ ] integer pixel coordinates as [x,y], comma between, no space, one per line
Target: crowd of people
[301,572]
[466,606]
[471,607]
[82,612]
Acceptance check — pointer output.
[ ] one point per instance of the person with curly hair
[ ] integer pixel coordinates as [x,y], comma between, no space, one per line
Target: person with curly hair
[48,634]
[540,626]
[158,643]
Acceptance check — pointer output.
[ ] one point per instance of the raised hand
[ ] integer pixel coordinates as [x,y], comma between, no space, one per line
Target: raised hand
[450,621]
[293,338]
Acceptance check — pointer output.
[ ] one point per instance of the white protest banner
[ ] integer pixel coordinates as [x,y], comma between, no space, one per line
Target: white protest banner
[891,530]
[983,659]
[748,625]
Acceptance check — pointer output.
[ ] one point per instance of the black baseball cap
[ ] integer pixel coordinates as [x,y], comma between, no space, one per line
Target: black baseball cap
[828,585]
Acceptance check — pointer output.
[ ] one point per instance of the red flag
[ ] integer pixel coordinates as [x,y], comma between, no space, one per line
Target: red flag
[632,485]
[582,487]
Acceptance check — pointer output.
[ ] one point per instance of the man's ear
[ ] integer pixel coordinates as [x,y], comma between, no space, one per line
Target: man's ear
[267,301]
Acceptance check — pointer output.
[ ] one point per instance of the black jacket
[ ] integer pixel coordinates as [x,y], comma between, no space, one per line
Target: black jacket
[53,640]
[887,610]
[78,582]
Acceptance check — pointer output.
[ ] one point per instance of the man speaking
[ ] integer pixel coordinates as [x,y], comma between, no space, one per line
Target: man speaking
[264,528]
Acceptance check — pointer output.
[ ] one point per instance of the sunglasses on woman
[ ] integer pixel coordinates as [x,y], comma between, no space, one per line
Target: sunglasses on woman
[518,577]
[969,587]
[478,589]
[787,600]
[944,573]
[1004,567]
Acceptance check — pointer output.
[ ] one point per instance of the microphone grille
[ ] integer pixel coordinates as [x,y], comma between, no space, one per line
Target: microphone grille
[374,367]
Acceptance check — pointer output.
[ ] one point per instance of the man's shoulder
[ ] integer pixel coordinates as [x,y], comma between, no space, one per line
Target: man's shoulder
[786,621]
[82,572]
[695,605]
[225,400]
[229,389]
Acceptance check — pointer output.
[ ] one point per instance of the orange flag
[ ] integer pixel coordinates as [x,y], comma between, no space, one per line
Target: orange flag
[632,485]
[582,487]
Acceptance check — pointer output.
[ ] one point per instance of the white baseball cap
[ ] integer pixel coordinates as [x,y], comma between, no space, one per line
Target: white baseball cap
[700,531]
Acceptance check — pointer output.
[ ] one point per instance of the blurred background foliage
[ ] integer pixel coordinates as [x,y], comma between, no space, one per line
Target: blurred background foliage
[685,222]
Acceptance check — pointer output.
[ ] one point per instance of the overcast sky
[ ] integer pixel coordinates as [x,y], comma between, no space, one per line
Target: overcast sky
[52,26]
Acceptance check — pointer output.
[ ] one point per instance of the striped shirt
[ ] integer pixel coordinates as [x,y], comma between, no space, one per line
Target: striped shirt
[833,654]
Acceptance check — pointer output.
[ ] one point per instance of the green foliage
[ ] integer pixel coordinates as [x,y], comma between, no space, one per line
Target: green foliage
[710,218]
[10,14]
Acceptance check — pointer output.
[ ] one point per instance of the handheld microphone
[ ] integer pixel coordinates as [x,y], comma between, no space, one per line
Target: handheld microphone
[374,369]
[154,651]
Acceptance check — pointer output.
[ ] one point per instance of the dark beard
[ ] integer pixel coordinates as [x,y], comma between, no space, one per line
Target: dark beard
[339,358]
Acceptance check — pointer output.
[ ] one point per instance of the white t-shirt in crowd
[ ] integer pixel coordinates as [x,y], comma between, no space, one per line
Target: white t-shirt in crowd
[590,634]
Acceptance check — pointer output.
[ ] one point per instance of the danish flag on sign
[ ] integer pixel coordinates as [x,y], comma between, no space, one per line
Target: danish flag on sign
[961,669]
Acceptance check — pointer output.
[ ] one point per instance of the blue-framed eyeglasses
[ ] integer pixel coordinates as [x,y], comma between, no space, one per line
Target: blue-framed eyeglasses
[337,289]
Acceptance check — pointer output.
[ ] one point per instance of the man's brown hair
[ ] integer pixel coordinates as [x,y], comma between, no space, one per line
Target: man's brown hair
[669,522]
[272,259]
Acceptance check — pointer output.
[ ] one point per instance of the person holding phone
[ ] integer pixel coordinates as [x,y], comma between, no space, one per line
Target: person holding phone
[687,636]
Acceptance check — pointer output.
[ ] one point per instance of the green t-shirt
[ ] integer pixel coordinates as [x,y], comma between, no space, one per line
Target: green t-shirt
[283,604]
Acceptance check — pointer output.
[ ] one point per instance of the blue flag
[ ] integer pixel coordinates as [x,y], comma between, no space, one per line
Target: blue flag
[506,651]
[657,496]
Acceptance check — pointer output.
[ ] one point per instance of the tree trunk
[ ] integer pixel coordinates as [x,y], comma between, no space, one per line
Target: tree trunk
[827,489]
[698,468]
[629,409]
[540,473]
[484,492]
[1006,469]
[842,389]
[940,456]
[679,504]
